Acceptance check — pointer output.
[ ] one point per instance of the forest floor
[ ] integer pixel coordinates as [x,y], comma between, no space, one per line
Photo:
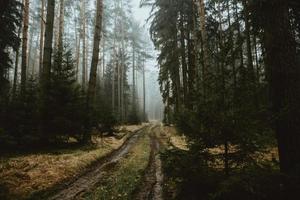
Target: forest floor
[126,167]
[26,175]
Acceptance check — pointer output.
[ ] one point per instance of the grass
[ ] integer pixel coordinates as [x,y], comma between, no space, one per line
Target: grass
[120,182]
[23,175]
[170,137]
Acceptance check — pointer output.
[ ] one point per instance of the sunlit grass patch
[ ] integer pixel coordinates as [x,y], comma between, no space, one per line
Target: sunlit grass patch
[121,181]
[171,137]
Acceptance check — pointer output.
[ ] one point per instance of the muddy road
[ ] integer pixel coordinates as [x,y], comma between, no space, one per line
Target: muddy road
[86,182]
[151,187]
[152,180]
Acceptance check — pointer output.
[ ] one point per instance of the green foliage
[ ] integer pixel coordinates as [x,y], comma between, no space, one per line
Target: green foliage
[10,21]
[261,181]
[102,117]
[9,39]
[65,110]
[196,181]
[224,104]
[21,121]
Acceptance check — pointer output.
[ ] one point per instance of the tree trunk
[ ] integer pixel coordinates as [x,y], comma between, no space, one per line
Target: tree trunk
[204,44]
[95,60]
[24,46]
[14,89]
[96,49]
[83,37]
[233,56]
[16,74]
[284,83]
[46,73]
[113,84]
[87,47]
[56,29]
[192,56]
[34,58]
[30,56]
[183,60]
[123,72]
[77,57]
[144,93]
[239,38]
[122,86]
[61,28]
[133,80]
[48,41]
[42,37]
[103,58]
[176,78]
[248,41]
[119,85]
[256,59]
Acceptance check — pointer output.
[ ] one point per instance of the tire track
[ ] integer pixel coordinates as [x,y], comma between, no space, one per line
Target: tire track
[86,182]
[151,187]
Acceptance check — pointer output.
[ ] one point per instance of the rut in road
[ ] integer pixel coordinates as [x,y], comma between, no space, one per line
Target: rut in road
[151,187]
[87,181]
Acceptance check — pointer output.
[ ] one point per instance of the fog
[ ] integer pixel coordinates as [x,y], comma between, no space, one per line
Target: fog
[154,104]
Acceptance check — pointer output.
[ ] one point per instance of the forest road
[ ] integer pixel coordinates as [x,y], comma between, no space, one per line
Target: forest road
[89,180]
[151,187]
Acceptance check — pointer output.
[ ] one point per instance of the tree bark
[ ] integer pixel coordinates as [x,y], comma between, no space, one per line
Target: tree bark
[83,37]
[77,45]
[61,27]
[96,49]
[95,56]
[123,72]
[30,62]
[133,80]
[119,85]
[48,41]
[144,93]
[42,37]
[14,88]
[46,73]
[204,43]
[24,46]
[240,40]
[248,41]
[183,60]
[284,78]
[192,55]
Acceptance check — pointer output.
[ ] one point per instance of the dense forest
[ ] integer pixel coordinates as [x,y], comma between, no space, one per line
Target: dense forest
[229,77]
[65,66]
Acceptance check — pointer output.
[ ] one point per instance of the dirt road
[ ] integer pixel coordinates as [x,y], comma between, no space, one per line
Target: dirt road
[87,181]
[151,187]
[151,184]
